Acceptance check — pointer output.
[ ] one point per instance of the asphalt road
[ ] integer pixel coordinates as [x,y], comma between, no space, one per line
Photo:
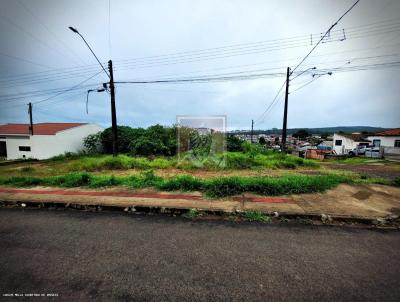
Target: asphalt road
[82,256]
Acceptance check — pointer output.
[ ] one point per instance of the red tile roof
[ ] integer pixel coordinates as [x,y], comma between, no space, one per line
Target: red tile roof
[38,129]
[391,132]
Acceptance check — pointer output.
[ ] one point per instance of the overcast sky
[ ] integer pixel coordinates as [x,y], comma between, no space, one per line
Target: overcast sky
[150,40]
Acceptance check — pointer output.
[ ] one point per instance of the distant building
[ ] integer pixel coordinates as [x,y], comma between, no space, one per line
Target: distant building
[48,139]
[343,143]
[388,141]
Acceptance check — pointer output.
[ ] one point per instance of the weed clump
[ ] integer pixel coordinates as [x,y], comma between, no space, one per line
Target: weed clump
[257,216]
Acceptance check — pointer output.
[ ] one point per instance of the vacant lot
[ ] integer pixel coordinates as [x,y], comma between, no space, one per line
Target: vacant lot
[264,173]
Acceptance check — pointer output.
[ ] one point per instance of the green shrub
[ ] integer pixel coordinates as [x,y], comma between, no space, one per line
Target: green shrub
[67,156]
[22,181]
[237,160]
[257,216]
[75,179]
[192,213]
[92,143]
[396,182]
[105,181]
[183,183]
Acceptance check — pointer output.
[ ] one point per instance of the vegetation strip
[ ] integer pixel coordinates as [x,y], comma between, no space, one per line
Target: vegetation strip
[213,187]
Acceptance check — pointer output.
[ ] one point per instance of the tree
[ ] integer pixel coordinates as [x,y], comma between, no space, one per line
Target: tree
[301,134]
[233,143]
[125,136]
[92,143]
[324,135]
[262,140]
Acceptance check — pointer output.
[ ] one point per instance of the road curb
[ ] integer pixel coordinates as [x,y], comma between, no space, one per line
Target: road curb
[306,218]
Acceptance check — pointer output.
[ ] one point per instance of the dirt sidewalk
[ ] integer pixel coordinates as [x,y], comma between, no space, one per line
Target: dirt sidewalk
[370,201]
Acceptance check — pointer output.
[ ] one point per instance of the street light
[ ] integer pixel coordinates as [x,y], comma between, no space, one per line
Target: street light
[303,72]
[87,44]
[112,93]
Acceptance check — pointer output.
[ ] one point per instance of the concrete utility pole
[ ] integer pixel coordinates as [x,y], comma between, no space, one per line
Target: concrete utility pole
[113,110]
[284,128]
[30,118]
[252,126]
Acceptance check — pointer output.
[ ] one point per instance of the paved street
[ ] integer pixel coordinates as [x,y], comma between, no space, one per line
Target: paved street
[83,256]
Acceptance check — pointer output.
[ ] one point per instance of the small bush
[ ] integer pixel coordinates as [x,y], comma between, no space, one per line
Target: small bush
[66,156]
[192,213]
[396,182]
[257,216]
[183,183]
[75,179]
[105,181]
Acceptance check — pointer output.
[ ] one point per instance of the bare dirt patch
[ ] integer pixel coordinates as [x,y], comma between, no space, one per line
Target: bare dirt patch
[385,171]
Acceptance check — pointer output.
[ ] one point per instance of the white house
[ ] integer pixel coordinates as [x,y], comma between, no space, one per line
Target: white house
[47,140]
[389,141]
[343,143]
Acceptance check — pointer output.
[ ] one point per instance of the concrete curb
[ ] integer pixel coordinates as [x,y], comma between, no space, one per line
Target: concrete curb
[173,211]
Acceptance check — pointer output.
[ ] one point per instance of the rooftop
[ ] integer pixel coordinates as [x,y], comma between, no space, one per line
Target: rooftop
[391,132]
[38,129]
[355,137]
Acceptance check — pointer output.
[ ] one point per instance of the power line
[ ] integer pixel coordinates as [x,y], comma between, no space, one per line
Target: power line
[38,20]
[326,33]
[166,61]
[72,88]
[270,105]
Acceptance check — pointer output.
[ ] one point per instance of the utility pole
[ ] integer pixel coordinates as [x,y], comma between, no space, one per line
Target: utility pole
[251,135]
[113,110]
[284,128]
[30,118]
[112,91]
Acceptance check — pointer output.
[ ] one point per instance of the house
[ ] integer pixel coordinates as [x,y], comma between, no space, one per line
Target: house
[343,143]
[47,140]
[389,141]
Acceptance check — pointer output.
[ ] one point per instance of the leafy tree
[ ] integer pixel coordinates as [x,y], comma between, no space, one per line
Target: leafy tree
[125,135]
[262,140]
[324,135]
[301,134]
[234,144]
[92,143]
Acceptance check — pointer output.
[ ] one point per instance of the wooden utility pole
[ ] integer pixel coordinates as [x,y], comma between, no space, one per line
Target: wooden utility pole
[252,126]
[30,118]
[113,111]
[284,128]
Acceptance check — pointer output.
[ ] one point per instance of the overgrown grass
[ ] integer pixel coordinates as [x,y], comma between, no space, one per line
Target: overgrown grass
[257,216]
[193,213]
[213,187]
[356,160]
[230,160]
[396,182]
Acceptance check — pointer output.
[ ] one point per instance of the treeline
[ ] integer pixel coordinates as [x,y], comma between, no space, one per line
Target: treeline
[158,140]
[322,130]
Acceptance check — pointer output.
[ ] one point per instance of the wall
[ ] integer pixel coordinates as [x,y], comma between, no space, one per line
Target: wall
[386,141]
[347,144]
[46,146]
[13,142]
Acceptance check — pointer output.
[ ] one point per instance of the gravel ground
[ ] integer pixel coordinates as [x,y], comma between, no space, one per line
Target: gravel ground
[84,256]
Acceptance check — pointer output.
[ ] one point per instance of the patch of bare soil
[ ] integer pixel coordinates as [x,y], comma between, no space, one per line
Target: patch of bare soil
[385,171]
